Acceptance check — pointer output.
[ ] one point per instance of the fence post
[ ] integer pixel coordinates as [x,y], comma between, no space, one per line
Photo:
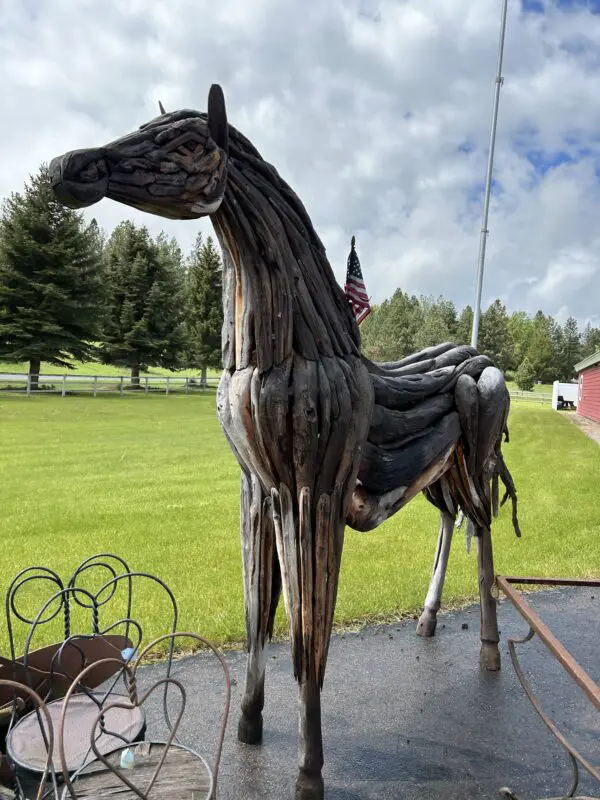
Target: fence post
[187,382]
[167,387]
[63,390]
[28,390]
[146,386]
[121,386]
[95,385]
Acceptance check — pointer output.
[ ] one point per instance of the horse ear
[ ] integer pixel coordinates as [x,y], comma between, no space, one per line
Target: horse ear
[217,117]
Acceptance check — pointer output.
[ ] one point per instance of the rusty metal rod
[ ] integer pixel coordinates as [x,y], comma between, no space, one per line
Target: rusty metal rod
[558,650]
[552,581]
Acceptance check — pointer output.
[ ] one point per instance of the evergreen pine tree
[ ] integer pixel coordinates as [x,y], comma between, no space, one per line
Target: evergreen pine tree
[557,349]
[439,323]
[520,327]
[464,326]
[494,335]
[50,284]
[144,318]
[525,375]
[205,307]
[539,351]
[571,350]
[591,341]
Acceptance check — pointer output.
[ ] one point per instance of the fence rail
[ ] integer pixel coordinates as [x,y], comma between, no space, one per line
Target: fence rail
[541,397]
[65,384]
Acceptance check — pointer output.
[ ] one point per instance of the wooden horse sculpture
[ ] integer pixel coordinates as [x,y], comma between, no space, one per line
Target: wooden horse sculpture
[324,437]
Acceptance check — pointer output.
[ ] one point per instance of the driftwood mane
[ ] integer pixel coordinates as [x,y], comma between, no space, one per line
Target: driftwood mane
[291,299]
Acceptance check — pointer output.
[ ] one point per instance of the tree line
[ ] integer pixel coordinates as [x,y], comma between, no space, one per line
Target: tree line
[68,292]
[527,348]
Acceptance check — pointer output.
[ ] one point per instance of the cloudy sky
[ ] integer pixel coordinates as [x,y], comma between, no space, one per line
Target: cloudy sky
[377,112]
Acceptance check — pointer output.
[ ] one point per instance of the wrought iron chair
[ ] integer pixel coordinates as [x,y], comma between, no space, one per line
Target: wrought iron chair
[103,656]
[153,769]
[158,768]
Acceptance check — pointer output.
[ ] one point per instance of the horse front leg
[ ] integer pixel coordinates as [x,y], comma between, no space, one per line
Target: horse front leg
[310,785]
[428,619]
[309,544]
[262,587]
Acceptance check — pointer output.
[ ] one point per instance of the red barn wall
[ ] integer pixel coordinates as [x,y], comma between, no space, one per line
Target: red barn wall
[589,393]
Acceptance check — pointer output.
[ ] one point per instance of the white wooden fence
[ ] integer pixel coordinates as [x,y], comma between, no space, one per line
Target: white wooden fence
[568,391]
[540,397]
[65,384]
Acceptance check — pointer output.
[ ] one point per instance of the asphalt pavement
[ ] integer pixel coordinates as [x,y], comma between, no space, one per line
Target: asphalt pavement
[409,718]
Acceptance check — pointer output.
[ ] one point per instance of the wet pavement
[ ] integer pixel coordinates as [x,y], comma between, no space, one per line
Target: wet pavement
[409,718]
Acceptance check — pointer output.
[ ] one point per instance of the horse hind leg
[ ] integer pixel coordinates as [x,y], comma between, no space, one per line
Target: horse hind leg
[489,657]
[493,403]
[262,588]
[428,619]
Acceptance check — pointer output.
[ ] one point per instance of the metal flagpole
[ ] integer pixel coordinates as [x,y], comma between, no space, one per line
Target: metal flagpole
[488,182]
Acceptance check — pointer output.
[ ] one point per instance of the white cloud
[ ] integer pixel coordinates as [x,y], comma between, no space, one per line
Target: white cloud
[569,269]
[376,112]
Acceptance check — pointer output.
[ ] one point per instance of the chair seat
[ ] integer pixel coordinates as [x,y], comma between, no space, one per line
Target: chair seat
[184,775]
[25,744]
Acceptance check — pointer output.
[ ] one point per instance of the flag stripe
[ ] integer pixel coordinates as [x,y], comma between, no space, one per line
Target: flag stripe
[358,294]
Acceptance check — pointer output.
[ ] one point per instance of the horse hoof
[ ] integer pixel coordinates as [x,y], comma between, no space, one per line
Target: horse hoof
[250,731]
[489,657]
[309,787]
[427,623]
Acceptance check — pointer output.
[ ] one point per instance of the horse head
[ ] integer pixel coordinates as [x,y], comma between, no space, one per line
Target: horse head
[174,166]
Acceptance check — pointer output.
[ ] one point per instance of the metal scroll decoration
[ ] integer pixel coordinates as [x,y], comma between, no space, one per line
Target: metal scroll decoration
[538,628]
[324,437]
[68,692]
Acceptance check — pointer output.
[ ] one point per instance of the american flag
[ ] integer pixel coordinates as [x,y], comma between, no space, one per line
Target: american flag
[355,288]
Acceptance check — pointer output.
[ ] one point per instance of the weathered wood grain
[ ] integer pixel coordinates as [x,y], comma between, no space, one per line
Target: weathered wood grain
[467,405]
[383,470]
[183,776]
[390,427]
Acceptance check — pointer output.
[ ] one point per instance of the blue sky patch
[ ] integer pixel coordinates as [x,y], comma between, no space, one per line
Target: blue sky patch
[592,5]
[532,6]
[539,7]
[543,161]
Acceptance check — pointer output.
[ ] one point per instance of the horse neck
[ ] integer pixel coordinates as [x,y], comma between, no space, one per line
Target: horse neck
[280,296]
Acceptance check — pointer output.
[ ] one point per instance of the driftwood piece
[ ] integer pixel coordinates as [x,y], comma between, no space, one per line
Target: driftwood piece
[467,405]
[493,400]
[383,470]
[423,355]
[390,427]
[324,437]
[183,776]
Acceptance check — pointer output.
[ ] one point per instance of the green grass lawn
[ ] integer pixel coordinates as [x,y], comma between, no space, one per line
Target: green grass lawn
[151,478]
